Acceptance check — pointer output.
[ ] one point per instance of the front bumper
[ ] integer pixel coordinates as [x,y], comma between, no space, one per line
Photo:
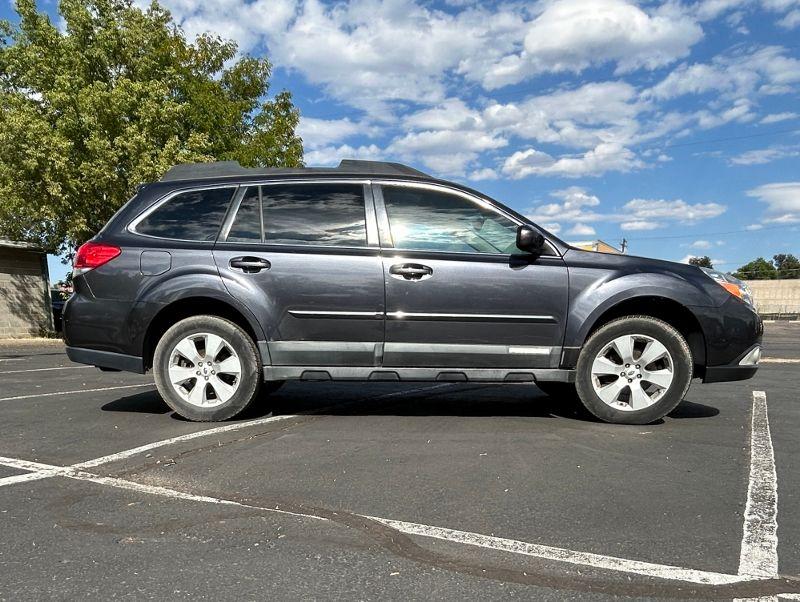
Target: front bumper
[745,367]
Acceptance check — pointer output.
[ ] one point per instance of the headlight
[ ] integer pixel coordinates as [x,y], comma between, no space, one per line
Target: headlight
[734,286]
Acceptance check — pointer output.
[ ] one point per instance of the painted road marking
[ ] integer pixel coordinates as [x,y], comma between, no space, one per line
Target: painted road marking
[778,360]
[45,369]
[75,392]
[610,563]
[759,553]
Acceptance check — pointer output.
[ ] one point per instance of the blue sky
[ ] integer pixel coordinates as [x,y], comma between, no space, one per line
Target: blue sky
[674,125]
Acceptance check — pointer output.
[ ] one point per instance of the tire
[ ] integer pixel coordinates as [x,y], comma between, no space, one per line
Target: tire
[646,391]
[227,386]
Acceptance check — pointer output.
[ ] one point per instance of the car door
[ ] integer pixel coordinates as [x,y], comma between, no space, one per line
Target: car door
[304,257]
[458,291]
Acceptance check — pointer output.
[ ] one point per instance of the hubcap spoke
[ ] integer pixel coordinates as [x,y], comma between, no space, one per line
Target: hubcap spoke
[214,345]
[610,392]
[188,349]
[179,374]
[230,365]
[653,351]
[660,378]
[197,395]
[624,347]
[223,390]
[639,398]
[603,365]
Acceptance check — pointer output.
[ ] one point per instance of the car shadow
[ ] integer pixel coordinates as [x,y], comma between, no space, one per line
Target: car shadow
[349,399]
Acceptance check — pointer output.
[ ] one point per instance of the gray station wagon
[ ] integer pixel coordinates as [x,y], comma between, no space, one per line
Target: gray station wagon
[226,282]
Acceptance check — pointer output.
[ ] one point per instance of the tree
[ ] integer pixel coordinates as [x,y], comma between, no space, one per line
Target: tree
[758,269]
[703,262]
[788,266]
[112,98]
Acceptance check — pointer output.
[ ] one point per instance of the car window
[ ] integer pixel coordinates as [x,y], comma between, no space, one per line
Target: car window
[314,214]
[430,220]
[194,215]
[246,225]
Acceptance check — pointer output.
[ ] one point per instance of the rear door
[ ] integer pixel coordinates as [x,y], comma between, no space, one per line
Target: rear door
[304,256]
[458,291]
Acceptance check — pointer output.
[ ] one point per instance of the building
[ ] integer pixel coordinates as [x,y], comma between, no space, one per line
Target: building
[596,245]
[25,308]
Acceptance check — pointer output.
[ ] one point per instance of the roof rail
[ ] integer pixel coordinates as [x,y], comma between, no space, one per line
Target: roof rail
[217,169]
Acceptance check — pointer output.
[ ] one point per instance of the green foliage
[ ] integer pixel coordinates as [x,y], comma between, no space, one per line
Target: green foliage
[758,269]
[112,99]
[788,266]
[703,262]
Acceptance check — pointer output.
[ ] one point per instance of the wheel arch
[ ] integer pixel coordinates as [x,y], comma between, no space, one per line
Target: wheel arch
[663,308]
[192,306]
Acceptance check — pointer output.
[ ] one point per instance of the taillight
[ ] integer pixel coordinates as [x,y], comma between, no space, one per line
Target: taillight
[92,255]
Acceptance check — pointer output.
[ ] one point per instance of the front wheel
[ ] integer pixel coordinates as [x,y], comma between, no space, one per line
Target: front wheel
[207,368]
[633,370]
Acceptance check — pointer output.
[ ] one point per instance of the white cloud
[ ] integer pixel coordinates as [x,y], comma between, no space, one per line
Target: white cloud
[604,157]
[572,35]
[782,200]
[639,225]
[764,155]
[679,210]
[791,20]
[778,117]
[701,244]
[582,230]
[485,173]
[331,155]
[317,133]
[733,76]
[448,151]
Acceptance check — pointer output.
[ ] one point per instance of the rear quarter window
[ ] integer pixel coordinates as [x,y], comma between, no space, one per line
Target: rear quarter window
[193,215]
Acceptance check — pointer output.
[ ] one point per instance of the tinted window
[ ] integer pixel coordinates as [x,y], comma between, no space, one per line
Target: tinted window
[247,223]
[314,214]
[195,215]
[427,220]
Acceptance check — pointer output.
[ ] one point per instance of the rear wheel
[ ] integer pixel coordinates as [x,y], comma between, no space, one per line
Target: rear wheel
[207,368]
[633,370]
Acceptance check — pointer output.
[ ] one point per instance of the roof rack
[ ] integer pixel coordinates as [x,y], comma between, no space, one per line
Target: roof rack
[218,169]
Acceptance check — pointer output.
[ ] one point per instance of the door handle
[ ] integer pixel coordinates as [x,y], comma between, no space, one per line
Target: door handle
[249,265]
[410,271]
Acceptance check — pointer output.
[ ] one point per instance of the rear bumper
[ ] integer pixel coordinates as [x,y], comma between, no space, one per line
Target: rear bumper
[106,359]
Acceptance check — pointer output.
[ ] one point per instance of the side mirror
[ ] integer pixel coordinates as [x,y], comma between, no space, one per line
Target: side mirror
[529,239]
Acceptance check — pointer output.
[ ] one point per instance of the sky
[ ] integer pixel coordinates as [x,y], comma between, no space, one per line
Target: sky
[674,126]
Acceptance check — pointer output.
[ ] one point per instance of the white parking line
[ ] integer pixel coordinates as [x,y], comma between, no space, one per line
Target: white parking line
[74,392]
[599,561]
[759,553]
[45,369]
[779,360]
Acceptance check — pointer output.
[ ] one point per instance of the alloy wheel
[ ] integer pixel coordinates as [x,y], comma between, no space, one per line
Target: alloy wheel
[204,370]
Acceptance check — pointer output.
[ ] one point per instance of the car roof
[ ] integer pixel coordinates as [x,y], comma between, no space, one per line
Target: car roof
[347,167]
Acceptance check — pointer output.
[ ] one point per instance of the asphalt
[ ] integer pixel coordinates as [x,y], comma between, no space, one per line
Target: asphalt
[500,460]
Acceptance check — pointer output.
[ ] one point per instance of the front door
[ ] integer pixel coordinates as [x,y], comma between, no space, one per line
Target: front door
[299,255]
[458,291]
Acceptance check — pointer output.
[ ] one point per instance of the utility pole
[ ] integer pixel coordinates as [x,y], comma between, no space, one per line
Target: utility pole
[624,245]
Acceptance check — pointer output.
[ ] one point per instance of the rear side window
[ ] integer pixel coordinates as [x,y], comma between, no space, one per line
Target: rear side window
[303,214]
[194,215]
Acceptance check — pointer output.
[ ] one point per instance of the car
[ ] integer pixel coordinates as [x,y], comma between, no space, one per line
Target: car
[227,281]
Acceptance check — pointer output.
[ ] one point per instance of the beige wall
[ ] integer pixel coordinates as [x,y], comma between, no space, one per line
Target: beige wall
[776,296]
[24,295]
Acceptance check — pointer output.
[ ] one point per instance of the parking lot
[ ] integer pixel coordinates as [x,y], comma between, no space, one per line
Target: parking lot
[424,490]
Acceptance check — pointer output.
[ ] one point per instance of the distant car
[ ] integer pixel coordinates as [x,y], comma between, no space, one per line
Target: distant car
[221,279]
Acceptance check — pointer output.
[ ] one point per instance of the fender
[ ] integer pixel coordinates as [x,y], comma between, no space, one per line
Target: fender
[591,296]
[177,285]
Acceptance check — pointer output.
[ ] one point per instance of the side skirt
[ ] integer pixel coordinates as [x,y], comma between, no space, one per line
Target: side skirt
[500,375]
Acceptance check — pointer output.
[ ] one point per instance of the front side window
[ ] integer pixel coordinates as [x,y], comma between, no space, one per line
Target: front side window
[314,214]
[430,220]
[194,215]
